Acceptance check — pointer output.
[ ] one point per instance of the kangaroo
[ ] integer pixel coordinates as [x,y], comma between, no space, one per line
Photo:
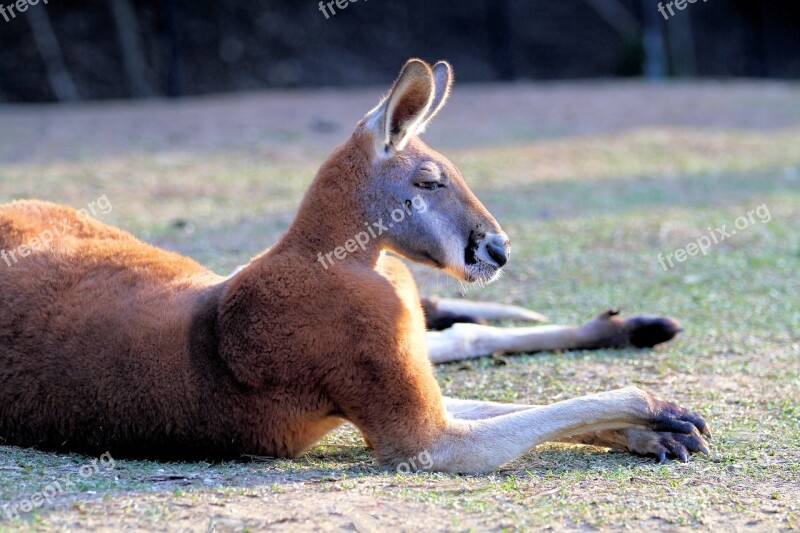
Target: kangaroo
[108,344]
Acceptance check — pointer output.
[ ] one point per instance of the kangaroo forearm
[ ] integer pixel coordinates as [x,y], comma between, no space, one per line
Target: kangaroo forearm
[483,445]
[478,410]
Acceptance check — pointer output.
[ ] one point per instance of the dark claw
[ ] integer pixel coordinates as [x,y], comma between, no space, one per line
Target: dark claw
[698,422]
[662,458]
[694,443]
[684,456]
[705,450]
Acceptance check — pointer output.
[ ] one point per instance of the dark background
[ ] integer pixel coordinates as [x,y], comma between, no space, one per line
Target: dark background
[83,50]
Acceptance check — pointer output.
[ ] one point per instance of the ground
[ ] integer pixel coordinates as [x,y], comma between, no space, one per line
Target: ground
[592,181]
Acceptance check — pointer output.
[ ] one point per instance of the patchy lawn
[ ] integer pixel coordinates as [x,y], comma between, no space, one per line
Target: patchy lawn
[591,181]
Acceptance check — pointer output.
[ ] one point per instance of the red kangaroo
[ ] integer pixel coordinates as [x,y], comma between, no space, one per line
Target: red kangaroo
[110,344]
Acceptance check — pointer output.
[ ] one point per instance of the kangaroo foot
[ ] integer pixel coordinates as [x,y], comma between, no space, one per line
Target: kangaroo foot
[438,319]
[442,320]
[609,330]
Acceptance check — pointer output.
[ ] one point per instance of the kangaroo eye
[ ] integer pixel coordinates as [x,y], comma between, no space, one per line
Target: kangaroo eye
[428,185]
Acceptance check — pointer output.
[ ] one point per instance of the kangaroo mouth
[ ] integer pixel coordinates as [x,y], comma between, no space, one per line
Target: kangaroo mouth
[476,270]
[471,250]
[481,272]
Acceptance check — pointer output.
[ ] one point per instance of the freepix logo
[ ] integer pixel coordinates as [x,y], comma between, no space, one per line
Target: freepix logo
[46,238]
[10,11]
[714,237]
[329,6]
[679,5]
[48,494]
[372,231]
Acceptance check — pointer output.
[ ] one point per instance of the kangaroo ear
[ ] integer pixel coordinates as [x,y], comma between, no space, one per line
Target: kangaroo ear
[404,110]
[443,81]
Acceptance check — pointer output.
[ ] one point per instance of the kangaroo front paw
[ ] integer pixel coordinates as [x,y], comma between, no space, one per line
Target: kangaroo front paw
[674,432]
[672,418]
[664,445]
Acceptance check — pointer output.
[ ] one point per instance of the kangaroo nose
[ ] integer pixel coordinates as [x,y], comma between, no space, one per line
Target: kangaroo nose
[497,248]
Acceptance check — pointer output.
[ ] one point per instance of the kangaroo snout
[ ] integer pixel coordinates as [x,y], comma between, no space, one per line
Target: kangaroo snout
[498,248]
[492,249]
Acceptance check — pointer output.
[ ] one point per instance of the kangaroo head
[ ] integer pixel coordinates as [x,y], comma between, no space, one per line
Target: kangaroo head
[430,215]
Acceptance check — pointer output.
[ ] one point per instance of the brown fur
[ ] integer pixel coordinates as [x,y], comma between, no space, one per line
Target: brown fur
[110,344]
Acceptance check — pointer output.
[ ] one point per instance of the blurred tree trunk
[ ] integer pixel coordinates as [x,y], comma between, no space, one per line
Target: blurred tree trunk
[132,58]
[655,63]
[60,79]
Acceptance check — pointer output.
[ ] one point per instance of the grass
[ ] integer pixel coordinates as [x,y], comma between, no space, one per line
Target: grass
[588,216]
